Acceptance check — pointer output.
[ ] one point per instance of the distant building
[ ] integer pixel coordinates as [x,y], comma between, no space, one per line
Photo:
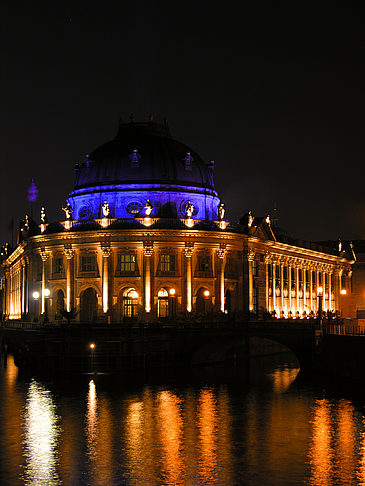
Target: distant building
[145,236]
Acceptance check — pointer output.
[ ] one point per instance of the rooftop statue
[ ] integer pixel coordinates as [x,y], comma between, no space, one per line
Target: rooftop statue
[68,211]
[189,209]
[148,208]
[221,211]
[105,209]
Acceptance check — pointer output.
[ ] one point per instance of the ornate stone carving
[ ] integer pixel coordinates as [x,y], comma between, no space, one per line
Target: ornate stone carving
[106,251]
[251,255]
[44,254]
[148,248]
[188,250]
[222,250]
[69,253]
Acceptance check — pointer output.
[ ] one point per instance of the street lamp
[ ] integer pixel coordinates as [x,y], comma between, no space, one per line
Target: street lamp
[92,347]
[46,294]
[320,297]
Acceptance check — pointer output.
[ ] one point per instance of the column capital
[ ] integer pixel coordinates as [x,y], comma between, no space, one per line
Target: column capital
[251,255]
[188,250]
[148,248]
[69,253]
[43,254]
[222,250]
[106,251]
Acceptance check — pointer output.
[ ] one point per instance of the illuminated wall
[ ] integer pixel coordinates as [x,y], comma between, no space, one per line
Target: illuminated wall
[129,200]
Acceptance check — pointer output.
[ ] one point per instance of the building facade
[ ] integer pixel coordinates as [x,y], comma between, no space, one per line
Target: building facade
[145,237]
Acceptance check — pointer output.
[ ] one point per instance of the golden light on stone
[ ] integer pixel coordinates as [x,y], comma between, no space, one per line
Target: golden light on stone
[189,222]
[320,291]
[105,222]
[147,221]
[343,291]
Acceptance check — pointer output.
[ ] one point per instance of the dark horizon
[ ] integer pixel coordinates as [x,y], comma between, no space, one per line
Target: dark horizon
[276,99]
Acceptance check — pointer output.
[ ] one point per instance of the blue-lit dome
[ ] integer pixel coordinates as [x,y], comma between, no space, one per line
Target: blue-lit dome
[143,162]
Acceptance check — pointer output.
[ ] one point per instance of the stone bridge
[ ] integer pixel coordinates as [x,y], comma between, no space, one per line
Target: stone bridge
[136,347]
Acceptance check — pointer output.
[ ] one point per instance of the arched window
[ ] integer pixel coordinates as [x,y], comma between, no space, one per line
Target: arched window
[163,303]
[130,303]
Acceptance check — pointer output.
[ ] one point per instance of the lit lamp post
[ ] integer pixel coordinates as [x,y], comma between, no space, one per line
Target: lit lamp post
[172,293]
[343,293]
[35,296]
[46,294]
[320,297]
[92,348]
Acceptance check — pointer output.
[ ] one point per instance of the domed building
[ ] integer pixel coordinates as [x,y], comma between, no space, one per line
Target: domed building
[145,237]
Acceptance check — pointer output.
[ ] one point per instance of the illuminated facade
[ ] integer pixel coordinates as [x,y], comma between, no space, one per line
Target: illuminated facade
[145,237]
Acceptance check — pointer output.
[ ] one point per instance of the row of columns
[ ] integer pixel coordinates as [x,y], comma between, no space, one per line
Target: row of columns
[147,253]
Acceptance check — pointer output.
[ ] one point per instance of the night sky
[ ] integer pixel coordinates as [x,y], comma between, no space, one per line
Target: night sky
[275,98]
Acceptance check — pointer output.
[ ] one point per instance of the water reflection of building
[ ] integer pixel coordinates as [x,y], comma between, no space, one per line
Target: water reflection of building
[145,235]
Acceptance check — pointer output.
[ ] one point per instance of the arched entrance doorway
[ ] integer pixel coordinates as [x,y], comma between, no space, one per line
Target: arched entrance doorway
[60,304]
[203,301]
[89,305]
[166,303]
[129,306]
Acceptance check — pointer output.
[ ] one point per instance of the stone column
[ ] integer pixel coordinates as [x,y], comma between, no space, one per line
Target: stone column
[106,252]
[267,297]
[147,251]
[290,286]
[250,258]
[282,288]
[273,286]
[329,291]
[188,251]
[304,288]
[311,287]
[324,290]
[44,257]
[221,255]
[297,288]
[69,254]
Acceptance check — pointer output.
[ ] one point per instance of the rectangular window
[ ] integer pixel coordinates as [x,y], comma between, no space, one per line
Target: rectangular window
[167,263]
[88,263]
[58,265]
[127,263]
[204,263]
[254,268]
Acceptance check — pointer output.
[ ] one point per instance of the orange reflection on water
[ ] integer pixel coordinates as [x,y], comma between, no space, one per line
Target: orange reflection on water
[170,425]
[41,434]
[224,438]
[283,378]
[134,440]
[207,423]
[361,470]
[321,452]
[345,443]
[11,408]
[92,420]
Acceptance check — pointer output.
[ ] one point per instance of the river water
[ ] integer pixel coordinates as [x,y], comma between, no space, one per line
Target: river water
[220,425]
